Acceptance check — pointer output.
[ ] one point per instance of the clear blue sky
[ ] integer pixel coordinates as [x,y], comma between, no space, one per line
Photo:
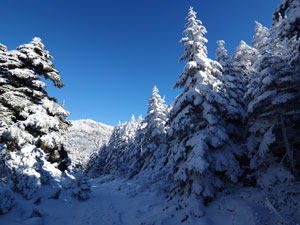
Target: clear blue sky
[111,53]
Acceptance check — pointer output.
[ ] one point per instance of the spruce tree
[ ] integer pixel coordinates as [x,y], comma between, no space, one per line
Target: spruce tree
[156,118]
[235,91]
[131,154]
[286,30]
[119,152]
[32,123]
[29,115]
[287,18]
[151,140]
[261,42]
[200,145]
[243,60]
[272,117]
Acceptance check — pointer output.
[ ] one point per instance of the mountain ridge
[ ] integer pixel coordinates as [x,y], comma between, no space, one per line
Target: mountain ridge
[83,138]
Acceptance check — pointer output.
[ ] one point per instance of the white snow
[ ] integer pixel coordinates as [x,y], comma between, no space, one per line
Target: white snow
[123,202]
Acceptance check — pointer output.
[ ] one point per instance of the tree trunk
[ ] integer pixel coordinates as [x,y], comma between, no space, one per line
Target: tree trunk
[288,150]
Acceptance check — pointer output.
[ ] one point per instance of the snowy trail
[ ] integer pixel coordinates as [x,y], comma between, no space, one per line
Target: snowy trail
[112,202]
[115,202]
[99,209]
[122,202]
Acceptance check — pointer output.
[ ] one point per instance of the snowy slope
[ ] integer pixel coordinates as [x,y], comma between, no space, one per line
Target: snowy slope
[85,137]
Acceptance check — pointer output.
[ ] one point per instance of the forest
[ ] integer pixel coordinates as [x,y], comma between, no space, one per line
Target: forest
[234,128]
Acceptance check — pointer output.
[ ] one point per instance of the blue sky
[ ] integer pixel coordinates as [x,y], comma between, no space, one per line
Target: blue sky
[110,54]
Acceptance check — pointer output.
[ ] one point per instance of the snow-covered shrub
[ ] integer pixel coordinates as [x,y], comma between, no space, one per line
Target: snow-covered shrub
[274,175]
[186,207]
[282,193]
[27,170]
[6,200]
[79,186]
[22,166]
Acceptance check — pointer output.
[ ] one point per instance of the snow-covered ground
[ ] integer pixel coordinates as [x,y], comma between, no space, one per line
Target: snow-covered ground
[111,202]
[122,202]
[84,137]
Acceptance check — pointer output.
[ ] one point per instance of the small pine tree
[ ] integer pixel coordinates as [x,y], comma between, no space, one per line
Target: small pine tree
[222,55]
[156,118]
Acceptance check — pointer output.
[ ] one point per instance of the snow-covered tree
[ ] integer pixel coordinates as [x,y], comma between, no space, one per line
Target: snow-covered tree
[235,92]
[286,31]
[199,141]
[107,159]
[222,55]
[149,156]
[243,60]
[29,115]
[292,52]
[287,17]
[31,123]
[273,109]
[136,146]
[113,158]
[260,40]
[156,118]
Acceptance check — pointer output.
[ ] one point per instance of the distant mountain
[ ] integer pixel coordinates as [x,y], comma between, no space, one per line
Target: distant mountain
[85,137]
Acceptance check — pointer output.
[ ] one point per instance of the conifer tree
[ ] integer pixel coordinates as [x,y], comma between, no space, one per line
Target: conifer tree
[199,142]
[261,42]
[286,30]
[105,160]
[29,115]
[156,117]
[233,84]
[287,18]
[243,60]
[274,102]
[115,157]
[31,122]
[131,157]
[222,55]
[151,143]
